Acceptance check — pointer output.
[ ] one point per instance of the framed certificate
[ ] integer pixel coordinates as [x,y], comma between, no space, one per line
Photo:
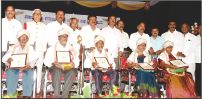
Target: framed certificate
[63,57]
[146,66]
[19,60]
[102,62]
[178,63]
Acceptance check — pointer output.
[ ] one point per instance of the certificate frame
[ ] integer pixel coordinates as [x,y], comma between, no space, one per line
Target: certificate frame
[179,63]
[102,61]
[19,60]
[66,57]
[146,66]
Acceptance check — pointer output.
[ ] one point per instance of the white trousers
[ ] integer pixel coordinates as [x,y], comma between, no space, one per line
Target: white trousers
[39,65]
[191,69]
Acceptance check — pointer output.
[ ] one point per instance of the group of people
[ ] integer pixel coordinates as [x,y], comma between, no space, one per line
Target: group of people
[41,43]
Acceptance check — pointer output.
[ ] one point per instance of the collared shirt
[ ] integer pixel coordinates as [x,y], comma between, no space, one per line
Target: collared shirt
[157,43]
[51,32]
[188,48]
[50,56]
[112,40]
[17,49]
[9,32]
[37,34]
[175,37]
[88,35]
[103,53]
[133,40]
[124,39]
[198,49]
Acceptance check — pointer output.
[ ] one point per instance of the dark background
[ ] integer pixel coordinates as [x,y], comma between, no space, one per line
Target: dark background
[158,15]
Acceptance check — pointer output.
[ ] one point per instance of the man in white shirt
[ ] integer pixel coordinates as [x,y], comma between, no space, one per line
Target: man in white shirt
[139,34]
[176,37]
[53,27]
[10,27]
[88,34]
[75,39]
[188,49]
[112,39]
[37,29]
[12,73]
[58,68]
[124,35]
[99,51]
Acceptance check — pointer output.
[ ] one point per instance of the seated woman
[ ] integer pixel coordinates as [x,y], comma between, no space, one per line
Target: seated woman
[12,73]
[179,83]
[100,52]
[145,80]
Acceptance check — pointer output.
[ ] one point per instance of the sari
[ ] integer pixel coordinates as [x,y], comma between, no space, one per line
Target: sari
[176,86]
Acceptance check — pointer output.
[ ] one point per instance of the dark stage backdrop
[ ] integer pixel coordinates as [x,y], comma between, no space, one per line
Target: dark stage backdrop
[158,15]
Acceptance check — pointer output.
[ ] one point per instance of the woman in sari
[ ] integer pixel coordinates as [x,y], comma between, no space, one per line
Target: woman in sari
[145,80]
[179,83]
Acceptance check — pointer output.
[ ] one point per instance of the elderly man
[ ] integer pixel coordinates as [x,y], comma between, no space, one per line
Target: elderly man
[88,34]
[10,27]
[22,47]
[156,42]
[176,37]
[188,49]
[124,35]
[139,34]
[37,29]
[59,67]
[75,39]
[53,27]
[99,51]
[112,39]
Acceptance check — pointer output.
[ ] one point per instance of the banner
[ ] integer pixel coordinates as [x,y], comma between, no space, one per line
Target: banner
[26,16]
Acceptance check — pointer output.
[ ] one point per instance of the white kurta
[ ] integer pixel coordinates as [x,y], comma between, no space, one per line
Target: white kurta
[51,32]
[9,32]
[73,41]
[88,36]
[37,35]
[198,49]
[50,56]
[112,40]
[17,49]
[189,48]
[175,37]
[124,39]
[133,40]
[133,57]
[96,53]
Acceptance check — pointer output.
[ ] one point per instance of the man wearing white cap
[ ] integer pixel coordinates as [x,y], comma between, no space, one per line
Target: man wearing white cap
[10,27]
[61,66]
[37,29]
[99,51]
[22,47]
[53,27]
